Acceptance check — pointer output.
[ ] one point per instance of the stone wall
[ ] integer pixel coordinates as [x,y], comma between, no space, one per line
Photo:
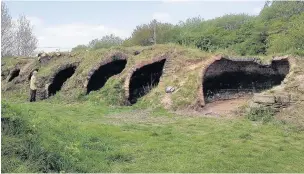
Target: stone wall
[225,65]
[273,101]
[26,67]
[289,92]
[134,69]
[111,58]
[44,82]
[219,65]
[44,58]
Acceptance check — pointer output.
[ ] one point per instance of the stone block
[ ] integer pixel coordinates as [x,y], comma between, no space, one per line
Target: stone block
[301,87]
[264,99]
[284,99]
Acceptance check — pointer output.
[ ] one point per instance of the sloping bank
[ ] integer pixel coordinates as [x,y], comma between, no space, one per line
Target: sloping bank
[21,148]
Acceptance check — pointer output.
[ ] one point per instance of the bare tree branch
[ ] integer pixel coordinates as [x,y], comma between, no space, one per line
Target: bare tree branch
[7,33]
[25,40]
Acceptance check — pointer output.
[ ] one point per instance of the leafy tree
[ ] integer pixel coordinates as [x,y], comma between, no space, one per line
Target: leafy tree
[80,48]
[127,42]
[282,10]
[290,40]
[191,22]
[232,21]
[284,22]
[277,29]
[105,42]
[213,34]
[144,34]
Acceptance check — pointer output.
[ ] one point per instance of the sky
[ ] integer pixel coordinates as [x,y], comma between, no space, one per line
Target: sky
[66,24]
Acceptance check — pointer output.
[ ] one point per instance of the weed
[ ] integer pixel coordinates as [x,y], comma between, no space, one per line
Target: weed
[260,114]
[119,157]
[246,136]
[154,134]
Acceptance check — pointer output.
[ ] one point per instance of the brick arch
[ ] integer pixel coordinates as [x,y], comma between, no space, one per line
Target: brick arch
[25,68]
[45,89]
[137,67]
[201,99]
[111,58]
[14,73]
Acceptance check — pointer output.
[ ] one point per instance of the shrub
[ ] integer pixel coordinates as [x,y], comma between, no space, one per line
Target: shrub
[260,114]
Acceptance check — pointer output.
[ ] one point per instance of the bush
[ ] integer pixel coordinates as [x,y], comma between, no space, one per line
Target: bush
[260,114]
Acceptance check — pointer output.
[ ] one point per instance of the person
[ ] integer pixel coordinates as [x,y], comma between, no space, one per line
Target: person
[33,87]
[39,57]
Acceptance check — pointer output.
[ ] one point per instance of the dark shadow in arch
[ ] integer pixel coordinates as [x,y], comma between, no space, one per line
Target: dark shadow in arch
[59,79]
[227,79]
[14,74]
[144,79]
[104,72]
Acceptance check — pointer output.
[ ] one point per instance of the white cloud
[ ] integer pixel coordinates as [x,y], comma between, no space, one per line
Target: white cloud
[162,17]
[35,20]
[257,10]
[67,36]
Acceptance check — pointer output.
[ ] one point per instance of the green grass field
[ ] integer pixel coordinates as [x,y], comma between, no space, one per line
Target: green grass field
[51,136]
[74,132]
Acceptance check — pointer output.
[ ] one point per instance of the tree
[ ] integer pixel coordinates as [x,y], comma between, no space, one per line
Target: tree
[267,4]
[141,35]
[80,48]
[277,29]
[105,42]
[144,34]
[290,40]
[25,40]
[92,43]
[6,31]
[282,10]
[210,35]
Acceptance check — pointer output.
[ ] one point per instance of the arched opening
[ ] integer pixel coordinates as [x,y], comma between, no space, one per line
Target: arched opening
[14,74]
[144,79]
[229,79]
[100,76]
[59,79]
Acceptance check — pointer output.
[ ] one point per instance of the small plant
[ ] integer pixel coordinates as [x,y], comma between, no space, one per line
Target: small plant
[147,88]
[119,157]
[154,134]
[115,57]
[246,136]
[260,114]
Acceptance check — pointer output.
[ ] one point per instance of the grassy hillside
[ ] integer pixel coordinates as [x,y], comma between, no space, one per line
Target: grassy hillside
[113,91]
[74,132]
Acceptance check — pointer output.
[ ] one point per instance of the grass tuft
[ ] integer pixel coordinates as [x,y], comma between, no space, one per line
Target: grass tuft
[261,114]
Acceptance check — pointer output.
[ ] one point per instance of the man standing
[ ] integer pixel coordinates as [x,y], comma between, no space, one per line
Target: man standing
[33,87]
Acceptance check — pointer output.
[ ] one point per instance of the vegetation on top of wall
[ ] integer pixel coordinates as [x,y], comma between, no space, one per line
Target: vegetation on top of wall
[277,29]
